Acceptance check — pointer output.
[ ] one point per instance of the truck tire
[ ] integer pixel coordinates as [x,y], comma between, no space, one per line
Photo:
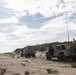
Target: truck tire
[62,57]
[48,56]
[74,58]
[21,55]
[33,55]
[26,55]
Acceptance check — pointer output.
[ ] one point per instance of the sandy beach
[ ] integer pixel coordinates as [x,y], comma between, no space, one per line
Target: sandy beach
[34,66]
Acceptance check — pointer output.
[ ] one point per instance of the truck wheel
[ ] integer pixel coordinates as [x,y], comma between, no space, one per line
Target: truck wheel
[48,56]
[62,57]
[58,58]
[21,54]
[26,55]
[74,58]
[33,55]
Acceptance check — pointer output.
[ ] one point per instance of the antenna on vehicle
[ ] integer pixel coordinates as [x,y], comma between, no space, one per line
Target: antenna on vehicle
[67,27]
[67,23]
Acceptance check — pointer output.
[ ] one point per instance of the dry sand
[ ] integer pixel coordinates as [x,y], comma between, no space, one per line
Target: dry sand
[35,66]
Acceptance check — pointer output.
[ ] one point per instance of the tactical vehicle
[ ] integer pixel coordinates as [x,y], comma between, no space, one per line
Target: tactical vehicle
[28,52]
[62,51]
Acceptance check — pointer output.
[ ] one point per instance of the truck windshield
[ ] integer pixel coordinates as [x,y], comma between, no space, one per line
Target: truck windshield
[58,47]
[63,47]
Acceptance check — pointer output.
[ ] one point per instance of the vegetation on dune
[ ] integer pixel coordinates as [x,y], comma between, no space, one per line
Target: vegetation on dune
[51,71]
[40,47]
[2,71]
[16,74]
[73,65]
[26,73]
[23,64]
[17,51]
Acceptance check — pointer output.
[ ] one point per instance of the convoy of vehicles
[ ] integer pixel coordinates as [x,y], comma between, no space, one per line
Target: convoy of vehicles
[61,51]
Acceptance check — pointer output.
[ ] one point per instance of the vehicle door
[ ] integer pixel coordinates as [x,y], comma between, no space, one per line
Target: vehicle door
[57,50]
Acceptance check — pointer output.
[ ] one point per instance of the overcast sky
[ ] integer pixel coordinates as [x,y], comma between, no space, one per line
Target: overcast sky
[29,22]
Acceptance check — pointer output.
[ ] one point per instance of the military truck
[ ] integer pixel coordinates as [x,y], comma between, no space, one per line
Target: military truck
[62,52]
[28,52]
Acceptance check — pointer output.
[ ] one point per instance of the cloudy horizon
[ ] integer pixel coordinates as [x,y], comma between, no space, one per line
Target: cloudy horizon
[30,22]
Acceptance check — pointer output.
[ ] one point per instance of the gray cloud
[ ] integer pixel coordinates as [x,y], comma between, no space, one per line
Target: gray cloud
[60,2]
[6,27]
[4,12]
[37,20]
[72,18]
[12,37]
[7,30]
[72,33]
